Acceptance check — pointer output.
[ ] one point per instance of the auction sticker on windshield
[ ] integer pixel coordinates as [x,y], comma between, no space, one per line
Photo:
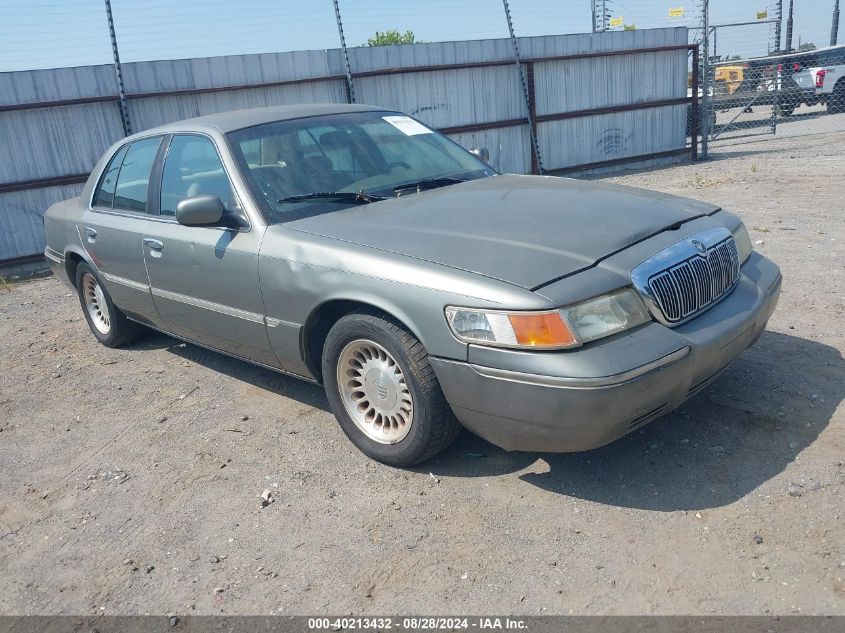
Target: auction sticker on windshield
[407,125]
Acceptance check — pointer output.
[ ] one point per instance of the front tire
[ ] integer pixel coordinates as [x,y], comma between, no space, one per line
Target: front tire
[108,324]
[383,390]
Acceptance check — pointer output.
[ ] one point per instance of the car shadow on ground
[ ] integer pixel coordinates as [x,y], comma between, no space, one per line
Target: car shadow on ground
[266,379]
[771,404]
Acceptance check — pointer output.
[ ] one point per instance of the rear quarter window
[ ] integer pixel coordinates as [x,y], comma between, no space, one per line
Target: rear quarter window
[133,179]
[104,196]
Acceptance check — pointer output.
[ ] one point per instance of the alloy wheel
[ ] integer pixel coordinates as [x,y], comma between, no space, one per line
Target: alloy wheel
[95,303]
[374,391]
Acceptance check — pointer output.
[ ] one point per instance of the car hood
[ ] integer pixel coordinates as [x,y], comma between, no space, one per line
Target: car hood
[525,230]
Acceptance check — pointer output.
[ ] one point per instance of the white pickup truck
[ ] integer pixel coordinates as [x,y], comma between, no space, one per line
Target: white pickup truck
[822,74]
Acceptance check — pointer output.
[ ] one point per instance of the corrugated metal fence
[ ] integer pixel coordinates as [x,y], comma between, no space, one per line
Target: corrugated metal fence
[596,100]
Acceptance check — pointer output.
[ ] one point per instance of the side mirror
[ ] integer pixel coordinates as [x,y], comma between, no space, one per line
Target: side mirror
[200,211]
[482,153]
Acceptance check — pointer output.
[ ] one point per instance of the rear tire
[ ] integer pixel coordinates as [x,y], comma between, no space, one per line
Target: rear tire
[108,324]
[836,101]
[383,390]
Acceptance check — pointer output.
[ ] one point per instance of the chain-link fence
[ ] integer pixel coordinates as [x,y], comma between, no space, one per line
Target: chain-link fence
[765,70]
[742,81]
[764,82]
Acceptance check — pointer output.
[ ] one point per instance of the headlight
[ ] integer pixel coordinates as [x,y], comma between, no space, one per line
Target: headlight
[542,330]
[743,242]
[555,329]
[607,314]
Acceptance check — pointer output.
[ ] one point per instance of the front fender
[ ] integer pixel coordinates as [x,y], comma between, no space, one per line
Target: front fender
[298,275]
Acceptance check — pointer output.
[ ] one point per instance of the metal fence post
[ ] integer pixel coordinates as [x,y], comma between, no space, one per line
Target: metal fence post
[121,93]
[778,77]
[529,101]
[705,84]
[696,116]
[350,85]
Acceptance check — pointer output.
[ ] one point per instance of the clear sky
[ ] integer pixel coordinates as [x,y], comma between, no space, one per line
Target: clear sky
[54,33]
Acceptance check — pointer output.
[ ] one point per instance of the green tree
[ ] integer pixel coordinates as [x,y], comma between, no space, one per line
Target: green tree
[393,36]
[806,46]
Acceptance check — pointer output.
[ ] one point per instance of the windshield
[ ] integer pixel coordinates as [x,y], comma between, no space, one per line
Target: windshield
[297,168]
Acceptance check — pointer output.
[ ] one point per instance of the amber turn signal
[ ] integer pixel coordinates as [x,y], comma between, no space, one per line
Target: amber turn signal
[544,329]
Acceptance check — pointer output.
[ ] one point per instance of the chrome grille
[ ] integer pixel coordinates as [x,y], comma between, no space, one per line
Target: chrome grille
[704,270]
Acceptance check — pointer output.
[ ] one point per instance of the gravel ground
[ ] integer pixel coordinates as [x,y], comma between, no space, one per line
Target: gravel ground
[130,479]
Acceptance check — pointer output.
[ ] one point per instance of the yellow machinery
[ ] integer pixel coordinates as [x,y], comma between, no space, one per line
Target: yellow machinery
[728,78]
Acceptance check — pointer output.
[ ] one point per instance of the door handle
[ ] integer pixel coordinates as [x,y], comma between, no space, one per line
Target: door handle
[91,234]
[153,245]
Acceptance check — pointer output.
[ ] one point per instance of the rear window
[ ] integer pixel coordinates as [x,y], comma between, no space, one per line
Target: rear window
[805,61]
[835,57]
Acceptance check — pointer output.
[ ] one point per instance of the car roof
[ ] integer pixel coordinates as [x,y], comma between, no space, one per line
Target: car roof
[238,119]
[773,59]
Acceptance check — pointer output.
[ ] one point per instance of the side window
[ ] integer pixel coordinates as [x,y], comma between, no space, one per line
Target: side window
[134,178]
[835,57]
[252,152]
[104,196]
[193,168]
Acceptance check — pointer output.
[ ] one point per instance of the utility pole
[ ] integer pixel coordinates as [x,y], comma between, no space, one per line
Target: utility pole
[593,10]
[788,46]
[350,85]
[778,24]
[118,72]
[604,20]
[834,27]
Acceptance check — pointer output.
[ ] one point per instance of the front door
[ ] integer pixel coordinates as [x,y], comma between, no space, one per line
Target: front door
[112,230]
[204,280]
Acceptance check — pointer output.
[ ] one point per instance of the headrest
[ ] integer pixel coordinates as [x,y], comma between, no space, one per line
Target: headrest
[334,140]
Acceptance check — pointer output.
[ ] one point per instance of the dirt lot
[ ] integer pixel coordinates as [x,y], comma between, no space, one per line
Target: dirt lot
[130,479]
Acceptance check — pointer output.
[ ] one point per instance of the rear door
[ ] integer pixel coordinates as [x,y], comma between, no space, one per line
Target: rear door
[204,280]
[803,71]
[112,229]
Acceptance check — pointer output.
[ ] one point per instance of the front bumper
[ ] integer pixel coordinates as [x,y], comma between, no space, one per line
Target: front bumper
[582,399]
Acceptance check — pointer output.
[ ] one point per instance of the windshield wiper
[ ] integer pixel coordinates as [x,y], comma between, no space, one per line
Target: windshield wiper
[428,183]
[335,196]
